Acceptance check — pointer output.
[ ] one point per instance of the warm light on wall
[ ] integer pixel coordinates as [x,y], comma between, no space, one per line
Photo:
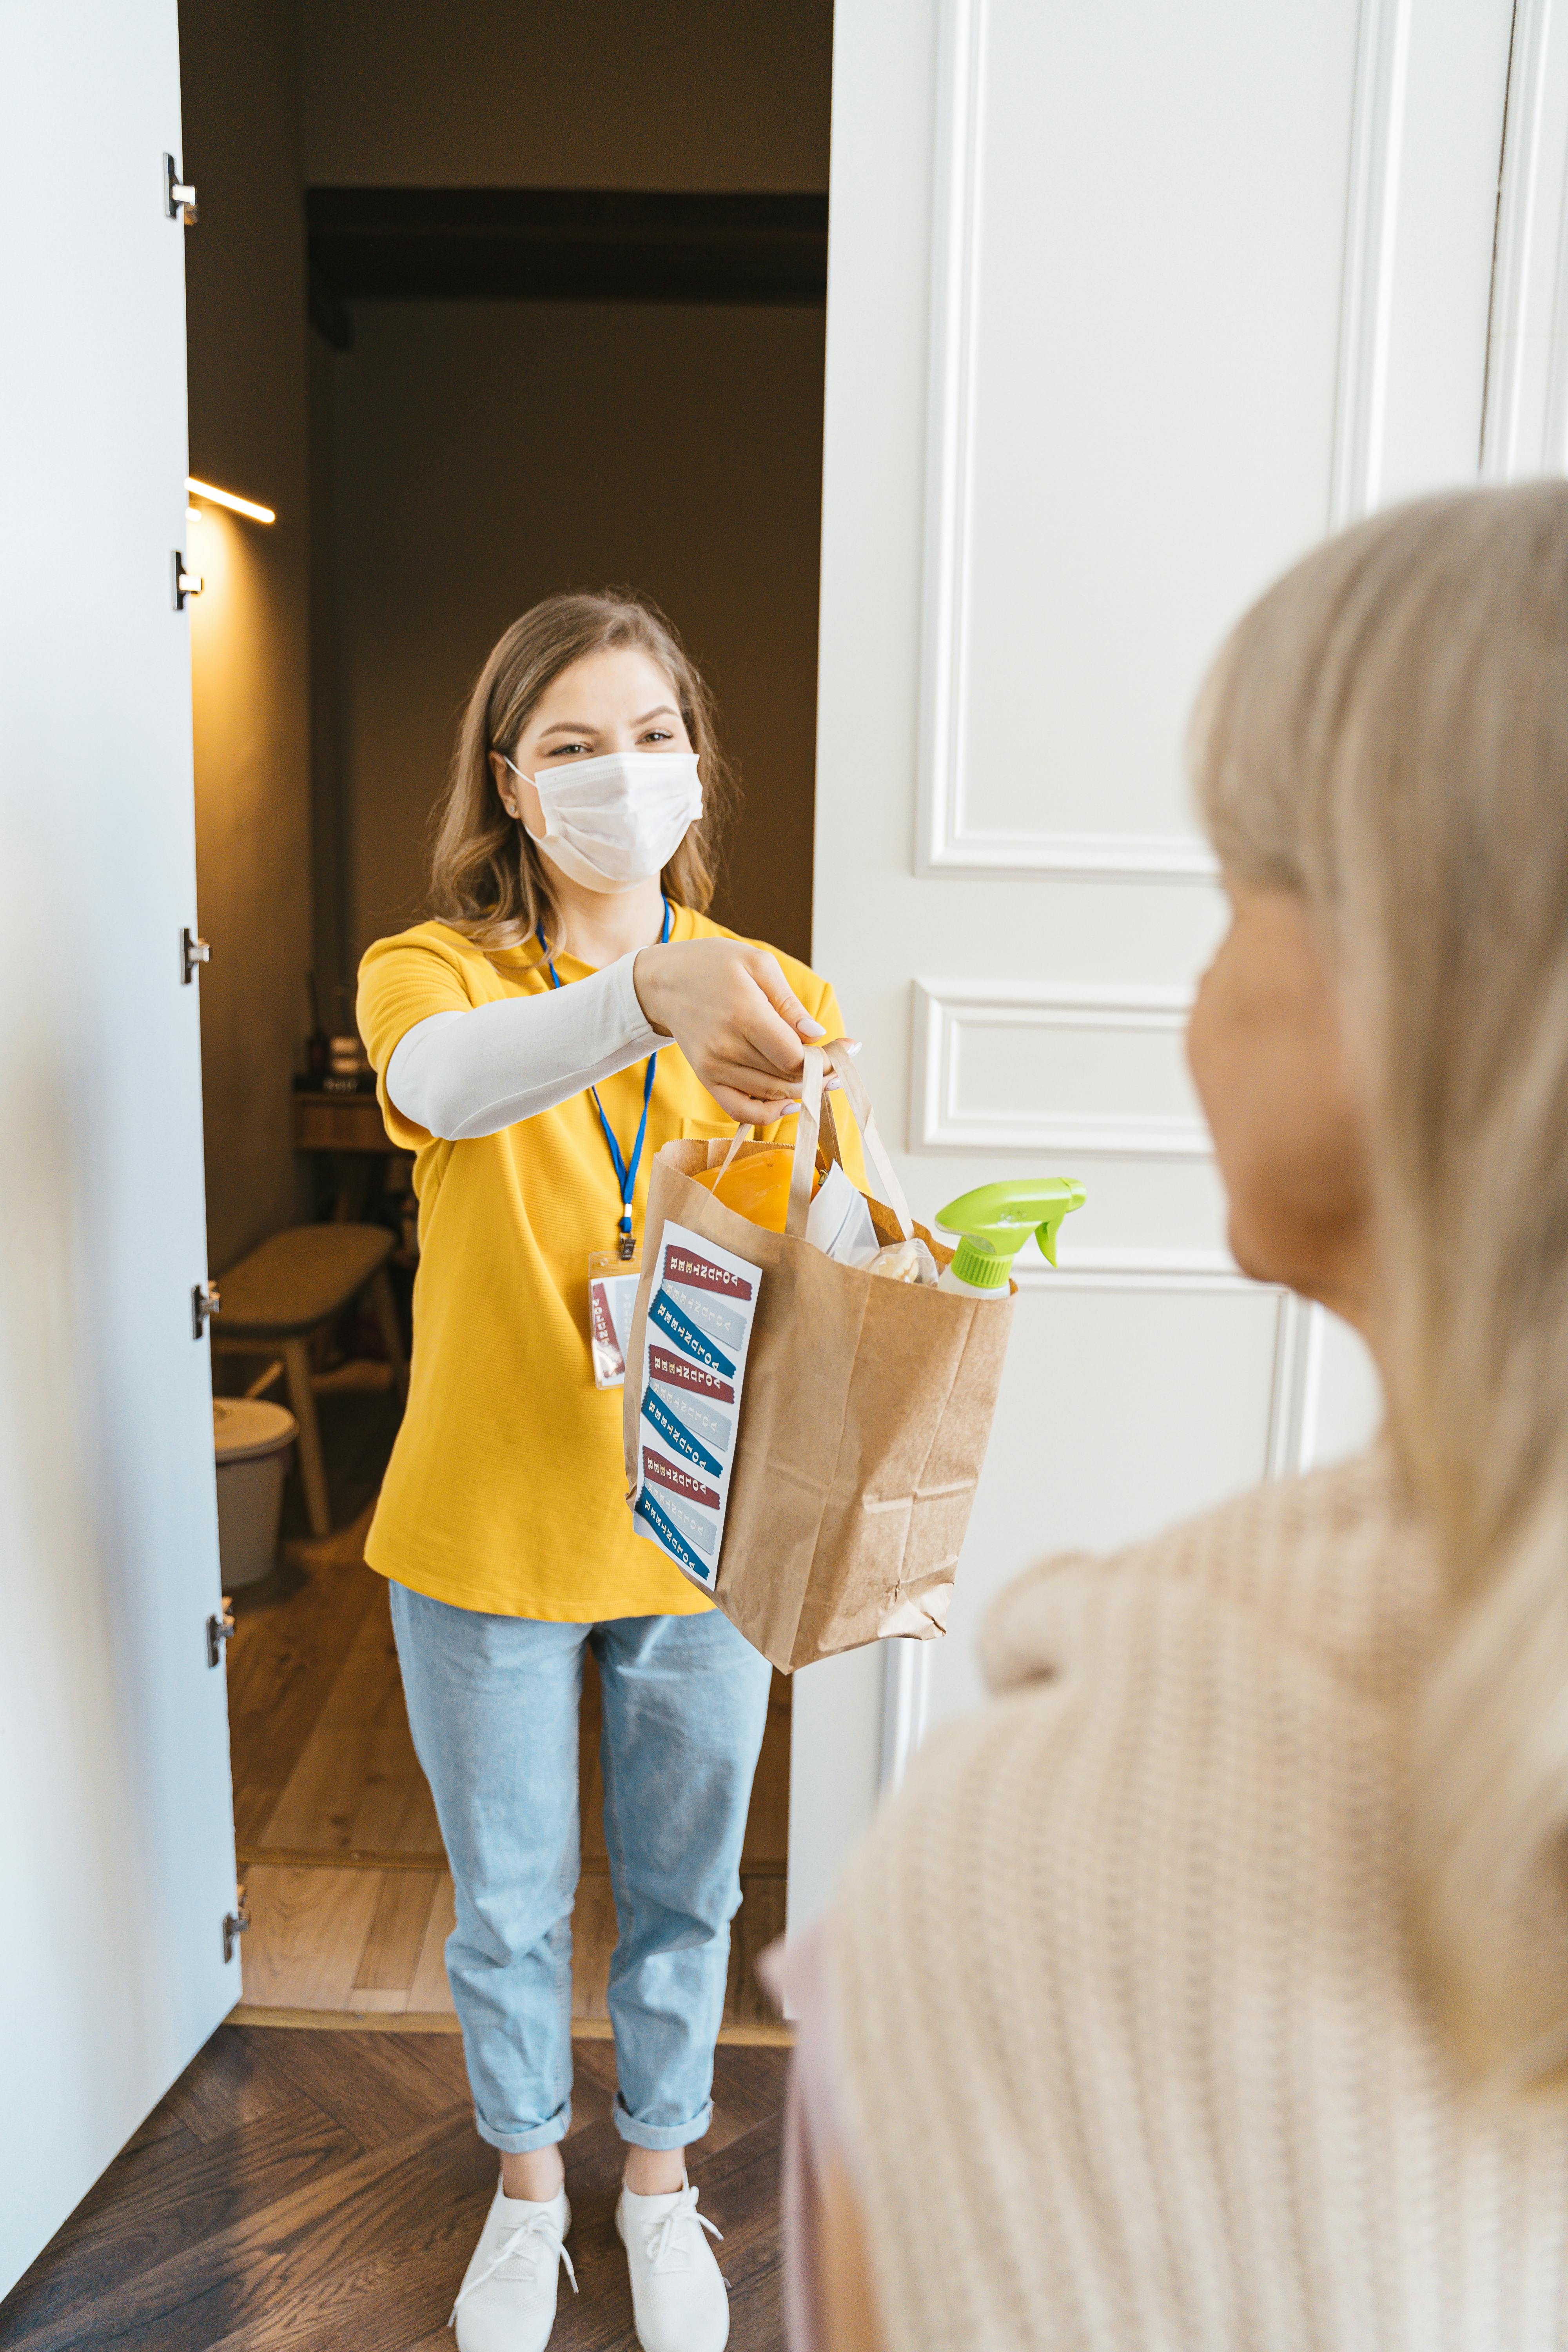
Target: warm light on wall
[228,498]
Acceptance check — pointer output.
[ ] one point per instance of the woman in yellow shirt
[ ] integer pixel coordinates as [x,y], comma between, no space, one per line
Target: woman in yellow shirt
[569,1010]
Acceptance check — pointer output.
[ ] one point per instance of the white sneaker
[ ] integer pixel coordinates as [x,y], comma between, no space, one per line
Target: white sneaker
[678,2289]
[507,2300]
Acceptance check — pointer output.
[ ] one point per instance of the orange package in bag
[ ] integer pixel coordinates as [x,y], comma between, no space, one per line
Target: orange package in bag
[756,1187]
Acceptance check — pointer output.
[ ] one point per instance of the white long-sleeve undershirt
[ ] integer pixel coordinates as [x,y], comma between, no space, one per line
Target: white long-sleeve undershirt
[462,1074]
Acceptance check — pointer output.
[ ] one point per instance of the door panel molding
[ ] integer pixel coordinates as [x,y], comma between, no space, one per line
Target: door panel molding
[1526,429]
[1372,223]
[947,842]
[945,1009]
[1137,1269]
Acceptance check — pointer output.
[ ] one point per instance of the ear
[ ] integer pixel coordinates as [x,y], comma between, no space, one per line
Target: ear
[504,780]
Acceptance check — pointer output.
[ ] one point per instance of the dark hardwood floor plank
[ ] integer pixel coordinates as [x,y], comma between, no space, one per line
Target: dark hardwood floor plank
[600,2315]
[741,2194]
[377,2086]
[232,2081]
[740,2183]
[748,2092]
[417,2195]
[403,2295]
[594,2067]
[757,2312]
[45,2286]
[76,2292]
[441,2056]
[162,2124]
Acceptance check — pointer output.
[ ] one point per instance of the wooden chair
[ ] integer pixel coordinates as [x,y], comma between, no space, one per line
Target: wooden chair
[289,1288]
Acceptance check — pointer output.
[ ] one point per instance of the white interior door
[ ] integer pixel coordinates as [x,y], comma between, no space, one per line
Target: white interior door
[116,1833]
[1127,306]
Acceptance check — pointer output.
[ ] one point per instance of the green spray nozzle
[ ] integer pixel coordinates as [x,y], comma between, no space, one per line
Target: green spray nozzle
[995,1221]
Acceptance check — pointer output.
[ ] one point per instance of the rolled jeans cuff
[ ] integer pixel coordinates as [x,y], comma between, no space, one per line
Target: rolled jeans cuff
[661,2135]
[544,2134]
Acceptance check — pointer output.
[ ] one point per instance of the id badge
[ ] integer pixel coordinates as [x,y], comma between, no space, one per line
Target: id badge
[612,1294]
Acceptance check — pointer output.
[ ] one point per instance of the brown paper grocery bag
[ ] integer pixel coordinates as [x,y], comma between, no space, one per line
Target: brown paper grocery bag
[866,1411]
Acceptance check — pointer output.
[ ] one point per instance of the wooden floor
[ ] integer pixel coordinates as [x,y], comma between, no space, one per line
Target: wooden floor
[346,1881]
[324,2188]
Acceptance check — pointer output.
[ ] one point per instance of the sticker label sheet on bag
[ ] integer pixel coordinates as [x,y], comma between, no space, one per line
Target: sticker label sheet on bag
[693,1368]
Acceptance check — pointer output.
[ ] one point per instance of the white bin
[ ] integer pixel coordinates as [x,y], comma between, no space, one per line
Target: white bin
[251,1441]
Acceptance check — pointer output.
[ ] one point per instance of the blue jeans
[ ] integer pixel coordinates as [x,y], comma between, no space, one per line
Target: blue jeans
[492,1705]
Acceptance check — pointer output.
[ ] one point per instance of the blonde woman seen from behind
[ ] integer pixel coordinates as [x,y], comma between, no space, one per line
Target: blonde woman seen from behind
[1228,1947]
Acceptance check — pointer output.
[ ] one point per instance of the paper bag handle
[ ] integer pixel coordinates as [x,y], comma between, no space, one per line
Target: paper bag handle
[892,1193]
[807,1133]
[807,1128]
[742,1135]
[804,1166]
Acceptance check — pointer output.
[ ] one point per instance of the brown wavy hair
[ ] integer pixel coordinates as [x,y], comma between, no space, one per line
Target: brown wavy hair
[487,880]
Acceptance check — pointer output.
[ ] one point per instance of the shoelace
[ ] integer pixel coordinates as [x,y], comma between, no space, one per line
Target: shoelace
[660,2235]
[539,2228]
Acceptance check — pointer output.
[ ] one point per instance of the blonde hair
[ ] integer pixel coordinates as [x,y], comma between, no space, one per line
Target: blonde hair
[487,880]
[1386,732]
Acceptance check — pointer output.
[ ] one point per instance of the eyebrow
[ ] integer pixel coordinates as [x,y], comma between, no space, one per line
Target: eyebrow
[583,726]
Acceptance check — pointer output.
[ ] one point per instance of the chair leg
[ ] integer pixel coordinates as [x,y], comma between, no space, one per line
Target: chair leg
[312,1468]
[386,1306]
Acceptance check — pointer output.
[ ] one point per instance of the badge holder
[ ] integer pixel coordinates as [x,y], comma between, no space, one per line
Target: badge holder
[612,1295]
[613,1273]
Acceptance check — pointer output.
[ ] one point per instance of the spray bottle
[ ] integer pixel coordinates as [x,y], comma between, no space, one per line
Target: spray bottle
[992,1224]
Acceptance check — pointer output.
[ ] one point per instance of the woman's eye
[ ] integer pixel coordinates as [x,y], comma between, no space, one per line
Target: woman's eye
[656,735]
[563,750]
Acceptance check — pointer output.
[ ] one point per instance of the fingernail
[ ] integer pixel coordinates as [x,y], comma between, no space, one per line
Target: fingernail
[810,1030]
[788,1109]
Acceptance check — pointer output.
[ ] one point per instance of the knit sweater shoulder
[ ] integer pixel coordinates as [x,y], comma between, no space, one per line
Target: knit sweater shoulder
[1132,2051]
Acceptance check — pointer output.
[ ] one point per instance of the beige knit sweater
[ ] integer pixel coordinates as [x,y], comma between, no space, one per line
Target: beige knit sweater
[1130,2054]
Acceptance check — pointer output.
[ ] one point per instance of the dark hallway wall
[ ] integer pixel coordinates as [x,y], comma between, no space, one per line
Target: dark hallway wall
[489,453]
[594,94]
[463,460]
[486,454]
[248,432]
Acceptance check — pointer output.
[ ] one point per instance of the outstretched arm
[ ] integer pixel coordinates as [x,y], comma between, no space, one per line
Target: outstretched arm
[461,1074]
[726,1004]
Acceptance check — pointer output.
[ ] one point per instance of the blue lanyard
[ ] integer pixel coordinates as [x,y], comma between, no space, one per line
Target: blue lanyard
[626,1171]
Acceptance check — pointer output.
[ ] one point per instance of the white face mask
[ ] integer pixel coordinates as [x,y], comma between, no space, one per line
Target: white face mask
[613,821]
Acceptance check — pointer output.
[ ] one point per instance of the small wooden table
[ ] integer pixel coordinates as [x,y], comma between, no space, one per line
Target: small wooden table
[284,1291]
[349,1125]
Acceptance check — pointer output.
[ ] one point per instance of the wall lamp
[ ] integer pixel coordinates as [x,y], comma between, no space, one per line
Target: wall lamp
[228,498]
